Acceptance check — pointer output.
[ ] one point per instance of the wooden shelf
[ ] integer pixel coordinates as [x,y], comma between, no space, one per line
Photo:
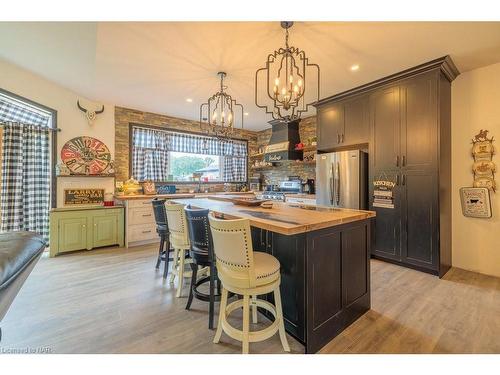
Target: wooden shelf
[87,175]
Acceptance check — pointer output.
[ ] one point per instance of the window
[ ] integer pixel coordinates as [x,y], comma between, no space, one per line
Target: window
[170,156]
[184,165]
[28,153]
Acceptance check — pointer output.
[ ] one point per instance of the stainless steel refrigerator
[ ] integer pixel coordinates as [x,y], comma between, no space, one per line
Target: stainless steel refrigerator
[342,179]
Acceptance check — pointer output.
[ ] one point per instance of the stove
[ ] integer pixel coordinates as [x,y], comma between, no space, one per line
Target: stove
[286,187]
[274,195]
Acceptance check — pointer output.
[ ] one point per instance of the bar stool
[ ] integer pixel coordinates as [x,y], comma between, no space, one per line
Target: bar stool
[247,273]
[202,254]
[176,218]
[162,230]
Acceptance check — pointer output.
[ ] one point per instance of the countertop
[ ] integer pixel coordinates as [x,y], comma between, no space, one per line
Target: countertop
[179,195]
[283,218]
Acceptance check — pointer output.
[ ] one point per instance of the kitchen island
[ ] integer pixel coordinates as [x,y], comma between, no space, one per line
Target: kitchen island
[324,255]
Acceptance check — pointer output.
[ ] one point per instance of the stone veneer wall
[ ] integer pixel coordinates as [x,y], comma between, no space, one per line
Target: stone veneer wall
[281,171]
[125,116]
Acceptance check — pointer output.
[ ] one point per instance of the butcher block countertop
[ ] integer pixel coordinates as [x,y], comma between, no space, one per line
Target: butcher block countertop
[282,218]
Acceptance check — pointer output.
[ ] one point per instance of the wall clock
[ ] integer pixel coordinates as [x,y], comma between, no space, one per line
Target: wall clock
[86,156]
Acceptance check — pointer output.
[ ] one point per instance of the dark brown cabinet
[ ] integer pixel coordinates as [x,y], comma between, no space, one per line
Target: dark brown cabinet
[343,123]
[385,129]
[290,251]
[409,121]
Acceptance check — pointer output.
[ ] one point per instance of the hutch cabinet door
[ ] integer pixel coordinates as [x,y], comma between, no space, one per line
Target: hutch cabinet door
[104,230]
[330,127]
[419,122]
[385,129]
[420,209]
[357,129]
[72,234]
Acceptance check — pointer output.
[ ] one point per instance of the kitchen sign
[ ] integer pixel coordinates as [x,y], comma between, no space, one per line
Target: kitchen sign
[83,197]
[383,196]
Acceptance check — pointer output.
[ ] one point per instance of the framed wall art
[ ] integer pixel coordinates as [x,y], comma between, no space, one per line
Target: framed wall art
[476,202]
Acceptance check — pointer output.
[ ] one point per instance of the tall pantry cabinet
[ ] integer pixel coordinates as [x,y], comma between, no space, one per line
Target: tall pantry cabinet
[409,115]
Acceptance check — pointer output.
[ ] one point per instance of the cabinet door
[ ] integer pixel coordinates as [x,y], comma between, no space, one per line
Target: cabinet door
[72,234]
[330,127]
[355,257]
[384,127]
[104,230]
[357,129]
[421,213]
[290,252]
[419,122]
[387,227]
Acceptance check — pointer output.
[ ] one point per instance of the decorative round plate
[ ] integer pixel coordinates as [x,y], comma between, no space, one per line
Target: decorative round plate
[86,156]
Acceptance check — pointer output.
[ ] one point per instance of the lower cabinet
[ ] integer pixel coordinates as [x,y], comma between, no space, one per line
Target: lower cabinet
[290,251]
[84,229]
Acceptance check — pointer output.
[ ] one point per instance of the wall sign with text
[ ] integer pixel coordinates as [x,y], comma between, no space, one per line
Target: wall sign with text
[83,197]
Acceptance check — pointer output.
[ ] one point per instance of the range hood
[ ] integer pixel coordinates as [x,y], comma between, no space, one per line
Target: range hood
[284,137]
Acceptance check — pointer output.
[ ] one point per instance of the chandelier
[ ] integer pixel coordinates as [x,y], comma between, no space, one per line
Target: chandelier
[219,112]
[284,96]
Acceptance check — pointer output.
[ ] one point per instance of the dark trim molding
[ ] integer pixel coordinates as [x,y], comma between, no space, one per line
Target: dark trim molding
[53,151]
[445,64]
[132,124]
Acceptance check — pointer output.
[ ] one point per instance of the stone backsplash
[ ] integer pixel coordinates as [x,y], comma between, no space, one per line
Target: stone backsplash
[125,116]
[281,171]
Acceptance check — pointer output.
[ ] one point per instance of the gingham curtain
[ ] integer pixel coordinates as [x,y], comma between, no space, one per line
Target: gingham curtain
[25,196]
[235,169]
[150,154]
[11,110]
[151,147]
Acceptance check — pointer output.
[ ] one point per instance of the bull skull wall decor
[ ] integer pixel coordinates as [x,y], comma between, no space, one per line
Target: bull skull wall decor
[91,115]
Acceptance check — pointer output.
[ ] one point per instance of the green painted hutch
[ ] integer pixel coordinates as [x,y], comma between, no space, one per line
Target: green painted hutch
[85,228]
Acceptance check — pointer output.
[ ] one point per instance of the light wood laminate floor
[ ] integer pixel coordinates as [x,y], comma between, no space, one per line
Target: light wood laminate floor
[113,301]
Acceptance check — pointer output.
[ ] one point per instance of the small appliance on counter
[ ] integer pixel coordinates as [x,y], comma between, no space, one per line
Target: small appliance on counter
[308,187]
[255,183]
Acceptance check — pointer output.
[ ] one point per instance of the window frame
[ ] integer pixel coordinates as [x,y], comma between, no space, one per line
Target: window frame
[167,129]
[53,140]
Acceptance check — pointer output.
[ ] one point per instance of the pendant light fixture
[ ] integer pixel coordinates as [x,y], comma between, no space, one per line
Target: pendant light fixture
[284,92]
[221,111]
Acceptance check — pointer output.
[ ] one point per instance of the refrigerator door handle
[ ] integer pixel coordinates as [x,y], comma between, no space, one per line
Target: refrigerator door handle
[332,185]
[338,184]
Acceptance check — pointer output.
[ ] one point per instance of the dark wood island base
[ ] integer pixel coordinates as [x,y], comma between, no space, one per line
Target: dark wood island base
[324,255]
[325,279]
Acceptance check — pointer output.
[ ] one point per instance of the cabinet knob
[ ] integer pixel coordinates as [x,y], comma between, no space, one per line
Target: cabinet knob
[84,226]
[146,231]
[146,215]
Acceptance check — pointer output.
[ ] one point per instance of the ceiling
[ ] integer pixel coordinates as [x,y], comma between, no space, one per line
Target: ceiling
[156,66]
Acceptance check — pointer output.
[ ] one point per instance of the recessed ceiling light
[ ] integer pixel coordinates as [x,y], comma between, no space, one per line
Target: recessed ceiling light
[355,67]
[189,100]
[246,113]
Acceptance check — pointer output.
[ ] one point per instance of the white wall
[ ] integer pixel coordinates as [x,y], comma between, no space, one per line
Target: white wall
[69,118]
[475,106]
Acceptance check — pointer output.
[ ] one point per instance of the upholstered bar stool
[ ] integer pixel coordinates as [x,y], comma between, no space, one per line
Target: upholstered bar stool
[162,230]
[202,255]
[176,218]
[247,273]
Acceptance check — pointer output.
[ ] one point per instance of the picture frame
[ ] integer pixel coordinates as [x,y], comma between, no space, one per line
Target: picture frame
[149,187]
[83,197]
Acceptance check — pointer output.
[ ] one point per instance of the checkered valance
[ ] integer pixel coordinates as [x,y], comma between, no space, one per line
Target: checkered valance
[15,111]
[151,147]
[184,142]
